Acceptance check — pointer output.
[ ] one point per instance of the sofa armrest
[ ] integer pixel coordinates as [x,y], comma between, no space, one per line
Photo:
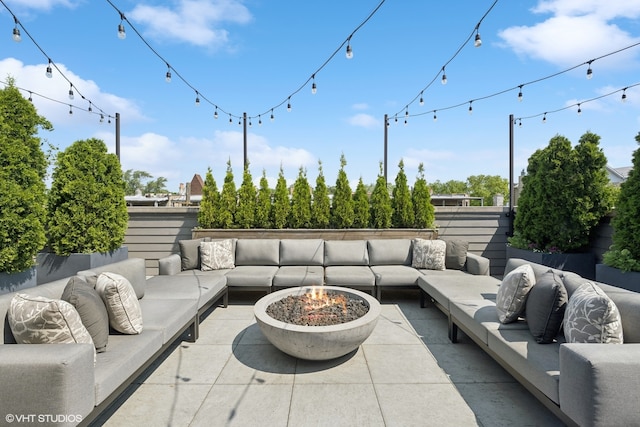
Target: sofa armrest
[599,383]
[478,265]
[47,379]
[170,265]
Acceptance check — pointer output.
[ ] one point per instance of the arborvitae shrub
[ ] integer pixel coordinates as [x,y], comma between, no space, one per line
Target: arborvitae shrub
[301,201]
[281,204]
[361,210]
[86,208]
[342,206]
[246,211]
[424,212]
[403,216]
[263,204]
[381,210]
[321,205]
[228,200]
[207,215]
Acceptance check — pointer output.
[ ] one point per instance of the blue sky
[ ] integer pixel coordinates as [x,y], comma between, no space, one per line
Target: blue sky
[250,55]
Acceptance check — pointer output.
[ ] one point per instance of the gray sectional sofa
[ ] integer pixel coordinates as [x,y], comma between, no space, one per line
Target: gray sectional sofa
[62,379]
[586,384]
[268,264]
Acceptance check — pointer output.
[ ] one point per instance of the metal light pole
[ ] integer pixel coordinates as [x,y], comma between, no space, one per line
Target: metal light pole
[386,139]
[118,135]
[512,211]
[244,131]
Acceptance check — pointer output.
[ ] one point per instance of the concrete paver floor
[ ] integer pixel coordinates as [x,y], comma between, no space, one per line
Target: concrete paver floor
[407,373]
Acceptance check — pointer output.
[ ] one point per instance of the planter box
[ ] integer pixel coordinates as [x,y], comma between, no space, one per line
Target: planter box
[11,282]
[315,233]
[53,267]
[622,279]
[583,264]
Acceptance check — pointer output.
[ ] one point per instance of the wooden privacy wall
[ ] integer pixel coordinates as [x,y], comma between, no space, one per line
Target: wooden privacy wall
[154,232]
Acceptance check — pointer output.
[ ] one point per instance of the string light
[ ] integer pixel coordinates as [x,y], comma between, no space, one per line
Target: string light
[520,94]
[101,118]
[272,117]
[30,97]
[16,32]
[421,100]
[624,95]
[167,76]
[259,120]
[90,107]
[444,77]
[579,110]
[314,88]
[70,109]
[470,108]
[71,92]
[544,118]
[435,118]
[197,99]
[349,53]
[289,105]
[477,42]
[589,71]
[215,113]
[121,33]
[520,123]
[49,72]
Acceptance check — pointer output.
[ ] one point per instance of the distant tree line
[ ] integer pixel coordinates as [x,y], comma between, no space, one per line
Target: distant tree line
[135,180]
[382,206]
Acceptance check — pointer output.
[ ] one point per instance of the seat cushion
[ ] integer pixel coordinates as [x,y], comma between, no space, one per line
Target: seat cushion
[395,275]
[251,275]
[449,285]
[197,287]
[299,275]
[168,315]
[480,316]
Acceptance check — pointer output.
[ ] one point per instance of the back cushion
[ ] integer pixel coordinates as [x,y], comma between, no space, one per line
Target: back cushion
[538,269]
[258,252]
[389,251]
[133,269]
[301,251]
[345,252]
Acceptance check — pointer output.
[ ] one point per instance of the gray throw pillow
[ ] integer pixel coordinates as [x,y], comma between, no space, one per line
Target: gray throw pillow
[456,256]
[546,304]
[190,254]
[512,294]
[591,317]
[91,309]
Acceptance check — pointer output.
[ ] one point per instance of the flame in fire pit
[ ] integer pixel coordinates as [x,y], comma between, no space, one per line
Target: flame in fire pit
[317,299]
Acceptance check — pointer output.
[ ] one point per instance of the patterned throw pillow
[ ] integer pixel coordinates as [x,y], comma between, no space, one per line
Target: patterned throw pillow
[512,293]
[429,254]
[123,307]
[217,255]
[591,317]
[40,320]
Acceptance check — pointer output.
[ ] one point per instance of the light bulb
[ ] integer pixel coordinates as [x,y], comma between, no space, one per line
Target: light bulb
[259,120]
[197,100]
[30,97]
[589,73]
[288,106]
[272,118]
[16,35]
[444,77]
[49,72]
[314,88]
[579,110]
[71,92]
[101,118]
[230,120]
[421,100]
[624,95]
[90,107]
[215,114]
[349,51]
[435,118]
[470,109]
[121,33]
[478,41]
[520,123]
[544,118]
[168,76]
[520,94]
[70,110]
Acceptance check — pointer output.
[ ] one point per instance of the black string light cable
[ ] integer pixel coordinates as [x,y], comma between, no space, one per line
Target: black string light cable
[578,104]
[521,86]
[17,37]
[475,33]
[269,111]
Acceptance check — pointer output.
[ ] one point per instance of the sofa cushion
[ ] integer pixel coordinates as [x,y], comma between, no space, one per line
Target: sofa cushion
[512,294]
[122,305]
[301,252]
[395,275]
[456,254]
[190,253]
[257,252]
[592,317]
[389,251]
[252,276]
[41,320]
[351,276]
[87,302]
[546,304]
[345,252]
[429,254]
[217,255]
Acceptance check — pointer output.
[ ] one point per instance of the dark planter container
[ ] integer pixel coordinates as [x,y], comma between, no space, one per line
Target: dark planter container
[622,279]
[53,267]
[11,282]
[583,264]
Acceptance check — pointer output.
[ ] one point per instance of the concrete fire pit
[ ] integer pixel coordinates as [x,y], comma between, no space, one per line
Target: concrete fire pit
[316,342]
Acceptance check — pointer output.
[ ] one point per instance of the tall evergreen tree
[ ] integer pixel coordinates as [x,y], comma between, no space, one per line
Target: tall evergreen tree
[321,205]
[23,168]
[228,200]
[403,216]
[342,206]
[246,211]
[281,204]
[424,212]
[263,205]
[381,209]
[208,215]
[361,209]
[301,201]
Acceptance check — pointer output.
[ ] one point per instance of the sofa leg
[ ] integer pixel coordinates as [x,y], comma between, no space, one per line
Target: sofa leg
[225,299]
[423,298]
[378,295]
[453,331]
[194,330]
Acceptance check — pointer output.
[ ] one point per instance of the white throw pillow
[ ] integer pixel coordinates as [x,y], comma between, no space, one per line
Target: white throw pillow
[591,317]
[123,308]
[512,294]
[217,255]
[429,254]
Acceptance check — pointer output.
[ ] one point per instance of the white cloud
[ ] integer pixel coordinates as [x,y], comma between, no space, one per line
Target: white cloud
[193,21]
[577,31]
[364,120]
[42,4]
[32,78]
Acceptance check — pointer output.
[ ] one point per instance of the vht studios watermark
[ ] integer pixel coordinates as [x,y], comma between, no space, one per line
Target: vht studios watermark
[43,418]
